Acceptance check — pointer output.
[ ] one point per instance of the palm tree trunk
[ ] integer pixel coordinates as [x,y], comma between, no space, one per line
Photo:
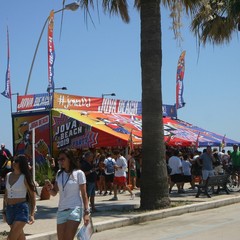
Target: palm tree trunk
[154,183]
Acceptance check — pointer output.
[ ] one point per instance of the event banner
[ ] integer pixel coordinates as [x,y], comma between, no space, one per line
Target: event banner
[66,129]
[84,103]
[105,105]
[73,130]
[32,102]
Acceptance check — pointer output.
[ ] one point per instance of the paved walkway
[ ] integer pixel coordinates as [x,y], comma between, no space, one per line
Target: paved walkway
[113,214]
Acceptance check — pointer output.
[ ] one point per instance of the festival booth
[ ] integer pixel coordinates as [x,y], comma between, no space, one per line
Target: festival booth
[181,133]
[44,123]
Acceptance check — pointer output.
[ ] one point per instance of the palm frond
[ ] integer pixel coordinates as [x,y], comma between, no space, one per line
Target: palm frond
[117,7]
[216,21]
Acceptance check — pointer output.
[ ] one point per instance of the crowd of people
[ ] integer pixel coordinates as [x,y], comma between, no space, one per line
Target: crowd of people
[109,172]
[105,172]
[188,167]
[77,180]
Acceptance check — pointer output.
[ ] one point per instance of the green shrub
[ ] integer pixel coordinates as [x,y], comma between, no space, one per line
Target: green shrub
[44,172]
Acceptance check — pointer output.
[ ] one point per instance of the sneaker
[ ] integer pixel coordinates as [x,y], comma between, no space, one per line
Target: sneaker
[105,194]
[113,199]
[132,196]
[110,193]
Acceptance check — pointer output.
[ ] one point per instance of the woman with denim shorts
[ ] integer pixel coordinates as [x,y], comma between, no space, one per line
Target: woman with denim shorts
[17,211]
[73,201]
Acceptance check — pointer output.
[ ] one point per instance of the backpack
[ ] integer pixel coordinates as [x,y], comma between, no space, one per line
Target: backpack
[110,166]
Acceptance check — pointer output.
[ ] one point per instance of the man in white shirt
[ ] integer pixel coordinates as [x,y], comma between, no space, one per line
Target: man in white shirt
[120,175]
[175,163]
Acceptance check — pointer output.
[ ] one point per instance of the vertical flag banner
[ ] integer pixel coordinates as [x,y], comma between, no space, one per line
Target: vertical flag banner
[197,141]
[179,84]
[7,92]
[51,51]
[130,142]
[223,142]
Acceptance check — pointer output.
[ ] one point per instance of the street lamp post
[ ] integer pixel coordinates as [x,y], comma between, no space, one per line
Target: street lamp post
[60,88]
[108,94]
[49,94]
[72,6]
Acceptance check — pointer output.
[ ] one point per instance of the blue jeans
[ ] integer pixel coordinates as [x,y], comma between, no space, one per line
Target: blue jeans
[17,212]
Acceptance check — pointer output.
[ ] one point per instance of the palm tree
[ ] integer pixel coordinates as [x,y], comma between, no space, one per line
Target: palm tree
[215,21]
[154,183]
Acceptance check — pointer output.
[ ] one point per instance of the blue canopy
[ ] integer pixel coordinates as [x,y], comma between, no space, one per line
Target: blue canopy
[186,134]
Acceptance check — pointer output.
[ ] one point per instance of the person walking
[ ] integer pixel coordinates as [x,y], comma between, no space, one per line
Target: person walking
[176,175]
[133,171]
[206,160]
[187,175]
[73,200]
[17,212]
[235,159]
[120,179]
[101,174]
[109,164]
[90,170]
[5,165]
[6,151]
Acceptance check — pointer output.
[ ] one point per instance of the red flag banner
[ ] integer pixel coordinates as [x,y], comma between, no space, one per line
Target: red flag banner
[7,92]
[179,83]
[51,51]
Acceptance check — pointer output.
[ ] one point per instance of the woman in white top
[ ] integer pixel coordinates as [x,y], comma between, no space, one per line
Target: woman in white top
[16,210]
[73,202]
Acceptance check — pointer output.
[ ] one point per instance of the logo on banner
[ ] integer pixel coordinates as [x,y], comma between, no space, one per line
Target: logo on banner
[65,129]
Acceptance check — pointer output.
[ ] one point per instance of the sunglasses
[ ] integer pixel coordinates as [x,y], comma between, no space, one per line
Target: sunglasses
[61,159]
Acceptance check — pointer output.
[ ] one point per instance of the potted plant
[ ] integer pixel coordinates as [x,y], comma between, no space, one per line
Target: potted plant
[43,172]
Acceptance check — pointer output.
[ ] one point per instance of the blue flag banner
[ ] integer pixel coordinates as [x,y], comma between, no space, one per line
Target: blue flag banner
[179,83]
[7,92]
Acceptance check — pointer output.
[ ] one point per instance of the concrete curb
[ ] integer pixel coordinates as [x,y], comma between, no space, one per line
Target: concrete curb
[147,216]
[44,236]
[158,214]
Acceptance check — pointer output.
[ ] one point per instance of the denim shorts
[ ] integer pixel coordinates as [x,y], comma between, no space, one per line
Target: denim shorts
[17,212]
[75,214]
[91,187]
[207,173]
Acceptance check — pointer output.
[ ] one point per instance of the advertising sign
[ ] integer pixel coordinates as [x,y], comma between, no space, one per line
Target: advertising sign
[104,105]
[22,132]
[33,102]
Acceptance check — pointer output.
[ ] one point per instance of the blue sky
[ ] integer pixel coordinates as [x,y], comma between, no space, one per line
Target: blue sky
[105,58]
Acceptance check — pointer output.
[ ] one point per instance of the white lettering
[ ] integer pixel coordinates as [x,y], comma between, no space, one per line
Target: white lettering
[26,102]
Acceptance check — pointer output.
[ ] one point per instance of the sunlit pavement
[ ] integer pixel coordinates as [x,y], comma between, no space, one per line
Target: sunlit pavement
[112,214]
